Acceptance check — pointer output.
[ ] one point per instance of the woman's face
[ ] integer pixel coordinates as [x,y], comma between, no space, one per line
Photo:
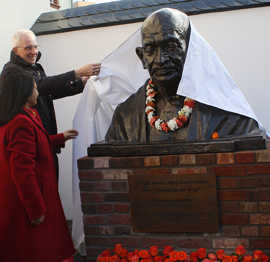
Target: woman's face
[32,100]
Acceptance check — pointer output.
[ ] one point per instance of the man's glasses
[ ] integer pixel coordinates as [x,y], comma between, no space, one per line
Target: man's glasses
[29,47]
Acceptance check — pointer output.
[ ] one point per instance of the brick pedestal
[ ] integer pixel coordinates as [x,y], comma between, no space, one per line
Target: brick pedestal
[243,180]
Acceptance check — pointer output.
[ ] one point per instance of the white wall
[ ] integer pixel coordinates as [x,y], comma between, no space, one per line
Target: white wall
[241,38]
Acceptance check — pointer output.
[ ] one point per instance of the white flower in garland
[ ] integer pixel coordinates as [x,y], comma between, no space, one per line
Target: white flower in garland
[161,125]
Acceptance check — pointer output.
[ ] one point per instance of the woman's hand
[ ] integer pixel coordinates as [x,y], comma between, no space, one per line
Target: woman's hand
[70,134]
[38,221]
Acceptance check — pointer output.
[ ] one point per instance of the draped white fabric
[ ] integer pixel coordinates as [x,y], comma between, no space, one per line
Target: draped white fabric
[204,79]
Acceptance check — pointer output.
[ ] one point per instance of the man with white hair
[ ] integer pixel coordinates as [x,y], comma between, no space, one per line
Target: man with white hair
[25,55]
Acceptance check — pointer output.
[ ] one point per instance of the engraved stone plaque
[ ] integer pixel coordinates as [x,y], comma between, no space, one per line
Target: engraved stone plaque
[173,203]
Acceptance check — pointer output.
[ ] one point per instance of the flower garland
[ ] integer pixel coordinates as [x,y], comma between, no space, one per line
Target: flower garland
[161,125]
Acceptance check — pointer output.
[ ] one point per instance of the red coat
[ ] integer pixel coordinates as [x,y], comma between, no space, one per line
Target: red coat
[28,189]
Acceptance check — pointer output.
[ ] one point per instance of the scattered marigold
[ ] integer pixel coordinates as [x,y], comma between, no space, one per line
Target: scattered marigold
[215,135]
[182,255]
[173,255]
[143,253]
[257,254]
[123,253]
[227,259]
[212,256]
[235,258]
[158,258]
[201,253]
[193,257]
[153,120]
[118,248]
[114,258]
[240,250]
[153,251]
[135,258]
[220,254]
[164,127]
[247,258]
[264,258]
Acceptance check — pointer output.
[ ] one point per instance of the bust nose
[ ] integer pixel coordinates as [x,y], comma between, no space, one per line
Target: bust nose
[161,55]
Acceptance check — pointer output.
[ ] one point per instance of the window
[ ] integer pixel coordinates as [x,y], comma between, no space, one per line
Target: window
[55,4]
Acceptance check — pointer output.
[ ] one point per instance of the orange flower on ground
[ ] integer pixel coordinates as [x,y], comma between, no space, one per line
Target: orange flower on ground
[247,258]
[212,256]
[182,255]
[173,255]
[153,251]
[135,258]
[201,253]
[240,250]
[123,260]
[123,253]
[118,248]
[144,253]
[167,250]
[215,135]
[264,258]
[158,258]
[257,254]
[193,257]
[227,259]
[235,259]
[220,254]
[206,260]
[114,258]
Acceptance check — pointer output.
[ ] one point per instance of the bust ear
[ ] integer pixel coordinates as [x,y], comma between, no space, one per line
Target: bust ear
[139,52]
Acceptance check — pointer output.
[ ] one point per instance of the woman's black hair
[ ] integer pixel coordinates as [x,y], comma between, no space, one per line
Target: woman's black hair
[16,86]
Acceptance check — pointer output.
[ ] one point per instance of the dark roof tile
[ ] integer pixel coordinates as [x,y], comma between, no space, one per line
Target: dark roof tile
[128,11]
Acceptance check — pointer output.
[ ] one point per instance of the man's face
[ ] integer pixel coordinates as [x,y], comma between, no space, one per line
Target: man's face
[27,49]
[164,51]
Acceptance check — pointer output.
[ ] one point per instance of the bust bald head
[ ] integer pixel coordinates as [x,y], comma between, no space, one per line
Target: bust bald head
[165,38]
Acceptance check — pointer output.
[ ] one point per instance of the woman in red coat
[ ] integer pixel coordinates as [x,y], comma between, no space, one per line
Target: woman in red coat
[32,223]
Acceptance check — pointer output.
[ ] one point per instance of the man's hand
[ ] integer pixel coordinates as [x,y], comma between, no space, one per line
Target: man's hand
[88,70]
[38,221]
[70,134]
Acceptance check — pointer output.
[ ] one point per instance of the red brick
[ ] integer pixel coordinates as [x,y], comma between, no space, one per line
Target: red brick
[245,157]
[227,182]
[188,159]
[121,186]
[87,198]
[169,160]
[95,220]
[248,207]
[230,170]
[251,231]
[232,231]
[263,195]
[225,158]
[260,219]
[263,156]
[116,197]
[206,159]
[234,195]
[116,174]
[201,242]
[104,208]
[235,219]
[101,186]
[258,170]
[89,209]
[230,243]
[91,230]
[150,171]
[121,208]
[101,162]
[94,252]
[152,161]
[229,206]
[85,163]
[265,231]
[248,183]
[106,230]
[148,241]
[122,230]
[91,175]
[189,170]
[260,243]
[127,162]
[264,206]
[119,219]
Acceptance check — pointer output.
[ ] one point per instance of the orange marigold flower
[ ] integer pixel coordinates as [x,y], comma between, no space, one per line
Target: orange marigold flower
[212,256]
[153,251]
[240,250]
[220,254]
[182,255]
[227,259]
[153,120]
[129,256]
[235,258]
[158,258]
[247,258]
[167,250]
[193,257]
[123,253]
[173,255]
[114,258]
[135,258]
[123,260]
[151,103]
[164,127]
[183,118]
[144,253]
[201,253]
[264,258]
[178,122]
[118,248]
[206,260]
[215,135]
[190,103]
[167,260]
[257,254]
[106,253]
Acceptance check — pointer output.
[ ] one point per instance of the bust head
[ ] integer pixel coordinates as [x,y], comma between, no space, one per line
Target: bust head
[165,38]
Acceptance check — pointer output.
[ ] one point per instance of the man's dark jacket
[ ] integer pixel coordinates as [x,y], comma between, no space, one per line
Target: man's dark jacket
[49,88]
